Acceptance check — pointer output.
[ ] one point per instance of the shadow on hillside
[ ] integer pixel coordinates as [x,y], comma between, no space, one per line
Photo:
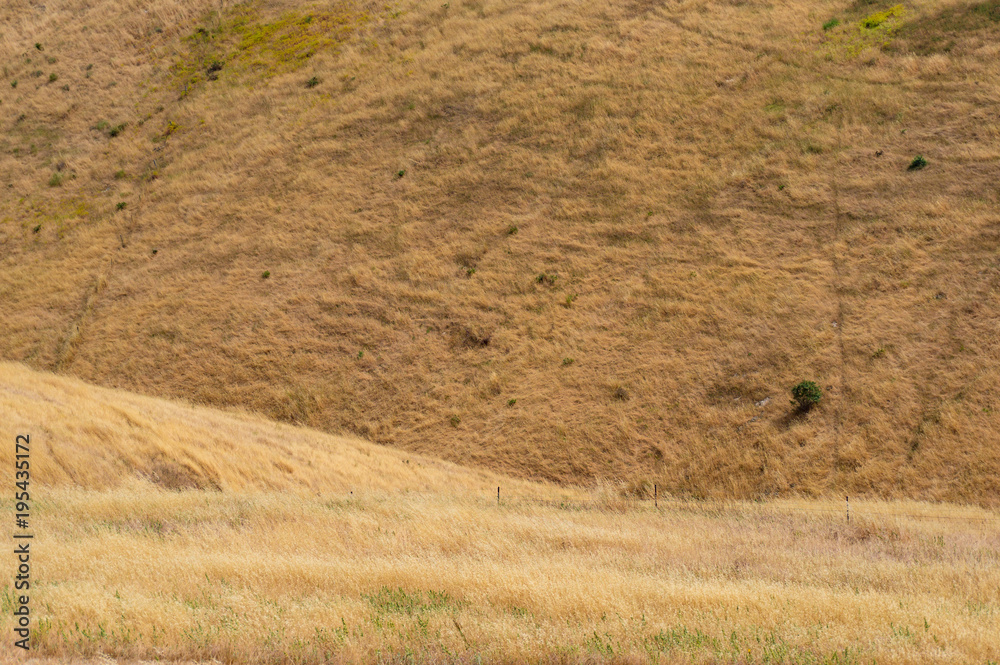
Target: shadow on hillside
[940,32]
[793,416]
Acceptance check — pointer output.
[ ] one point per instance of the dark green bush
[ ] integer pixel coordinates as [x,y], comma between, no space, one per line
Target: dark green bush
[918,163]
[806,395]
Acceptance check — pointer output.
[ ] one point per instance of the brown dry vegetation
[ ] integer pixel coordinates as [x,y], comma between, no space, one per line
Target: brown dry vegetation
[637,219]
[275,560]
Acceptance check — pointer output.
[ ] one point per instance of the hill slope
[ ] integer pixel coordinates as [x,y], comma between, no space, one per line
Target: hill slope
[91,438]
[560,240]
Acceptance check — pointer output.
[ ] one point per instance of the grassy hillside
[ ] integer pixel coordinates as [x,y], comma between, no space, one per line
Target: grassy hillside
[561,240]
[93,438]
[373,558]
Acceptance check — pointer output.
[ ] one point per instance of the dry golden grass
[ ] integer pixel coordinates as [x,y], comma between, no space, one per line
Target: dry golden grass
[420,565]
[138,572]
[699,177]
[94,438]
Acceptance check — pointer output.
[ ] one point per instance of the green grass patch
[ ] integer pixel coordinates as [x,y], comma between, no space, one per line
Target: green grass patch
[399,601]
[876,30]
[879,19]
[262,47]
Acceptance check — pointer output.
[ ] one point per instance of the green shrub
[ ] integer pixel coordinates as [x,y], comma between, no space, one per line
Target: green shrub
[53,77]
[312,83]
[568,361]
[806,395]
[116,130]
[831,24]
[38,46]
[120,174]
[918,163]
[13,83]
[455,420]
[265,274]
[55,180]
[400,173]
[120,205]
[511,230]
[512,401]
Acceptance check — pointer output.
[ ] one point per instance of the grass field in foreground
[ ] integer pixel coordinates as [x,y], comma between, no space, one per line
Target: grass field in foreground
[558,239]
[167,531]
[142,572]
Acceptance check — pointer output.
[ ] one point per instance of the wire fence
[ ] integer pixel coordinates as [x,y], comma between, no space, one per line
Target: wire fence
[848,511]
